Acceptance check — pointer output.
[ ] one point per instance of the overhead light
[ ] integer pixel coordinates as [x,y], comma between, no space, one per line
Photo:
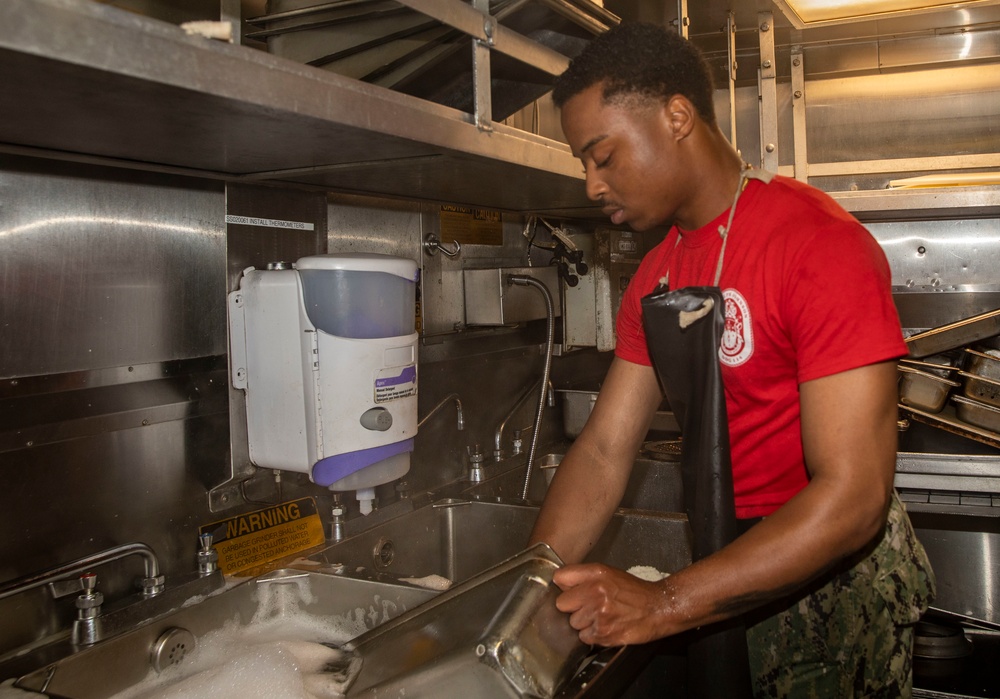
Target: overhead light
[811,13]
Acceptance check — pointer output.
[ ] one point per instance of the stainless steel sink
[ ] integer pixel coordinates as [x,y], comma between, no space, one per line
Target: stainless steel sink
[654,484]
[457,538]
[349,604]
[355,586]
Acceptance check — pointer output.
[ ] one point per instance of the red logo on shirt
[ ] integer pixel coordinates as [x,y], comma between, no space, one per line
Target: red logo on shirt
[737,337]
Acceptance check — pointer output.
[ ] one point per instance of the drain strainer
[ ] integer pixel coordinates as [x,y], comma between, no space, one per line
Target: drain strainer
[668,450]
[171,647]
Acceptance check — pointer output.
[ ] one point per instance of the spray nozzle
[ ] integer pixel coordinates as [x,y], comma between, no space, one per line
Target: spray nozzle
[365,498]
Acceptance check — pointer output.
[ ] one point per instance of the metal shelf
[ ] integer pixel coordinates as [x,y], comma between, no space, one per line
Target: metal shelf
[922,204]
[85,81]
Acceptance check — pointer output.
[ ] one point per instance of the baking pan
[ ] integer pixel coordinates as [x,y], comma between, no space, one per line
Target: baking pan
[923,390]
[976,413]
[954,335]
[493,636]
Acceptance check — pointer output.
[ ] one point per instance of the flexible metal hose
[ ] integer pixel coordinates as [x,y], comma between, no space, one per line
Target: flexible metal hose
[522,280]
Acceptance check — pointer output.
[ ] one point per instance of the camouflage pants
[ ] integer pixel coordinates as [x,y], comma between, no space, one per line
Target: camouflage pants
[851,634]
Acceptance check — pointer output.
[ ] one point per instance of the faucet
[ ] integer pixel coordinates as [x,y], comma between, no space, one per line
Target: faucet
[444,401]
[524,280]
[94,622]
[152,583]
[528,392]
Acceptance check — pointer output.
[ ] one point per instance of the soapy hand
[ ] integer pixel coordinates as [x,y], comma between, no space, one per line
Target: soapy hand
[610,607]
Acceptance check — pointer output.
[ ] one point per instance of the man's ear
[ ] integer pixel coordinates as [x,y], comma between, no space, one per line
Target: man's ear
[680,115]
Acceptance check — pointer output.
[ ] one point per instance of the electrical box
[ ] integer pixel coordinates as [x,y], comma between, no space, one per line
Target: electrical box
[591,307]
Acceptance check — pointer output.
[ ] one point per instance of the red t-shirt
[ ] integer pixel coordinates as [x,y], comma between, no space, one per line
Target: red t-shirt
[808,294]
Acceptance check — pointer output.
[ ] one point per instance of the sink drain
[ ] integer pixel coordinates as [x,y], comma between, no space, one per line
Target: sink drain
[171,647]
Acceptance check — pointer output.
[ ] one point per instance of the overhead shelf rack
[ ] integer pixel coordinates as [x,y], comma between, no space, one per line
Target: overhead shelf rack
[89,82]
[86,81]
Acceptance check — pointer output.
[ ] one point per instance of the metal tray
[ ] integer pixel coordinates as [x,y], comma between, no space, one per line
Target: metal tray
[982,364]
[947,421]
[577,405]
[977,414]
[954,335]
[923,390]
[980,388]
[942,368]
[498,634]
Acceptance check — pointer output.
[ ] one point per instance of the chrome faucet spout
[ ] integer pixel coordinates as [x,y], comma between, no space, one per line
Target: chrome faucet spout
[152,582]
[460,415]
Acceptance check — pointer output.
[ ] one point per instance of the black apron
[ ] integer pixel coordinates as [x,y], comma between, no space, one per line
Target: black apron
[683,334]
[687,364]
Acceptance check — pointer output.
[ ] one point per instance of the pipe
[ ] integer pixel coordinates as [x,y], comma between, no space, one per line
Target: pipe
[522,280]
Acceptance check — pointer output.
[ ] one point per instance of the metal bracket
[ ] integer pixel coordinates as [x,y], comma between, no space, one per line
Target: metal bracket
[683,18]
[731,55]
[768,91]
[481,82]
[799,118]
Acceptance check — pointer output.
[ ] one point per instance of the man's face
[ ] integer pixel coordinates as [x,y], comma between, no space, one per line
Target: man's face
[627,150]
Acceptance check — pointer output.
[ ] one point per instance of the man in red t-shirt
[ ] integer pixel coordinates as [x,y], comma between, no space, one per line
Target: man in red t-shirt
[831,578]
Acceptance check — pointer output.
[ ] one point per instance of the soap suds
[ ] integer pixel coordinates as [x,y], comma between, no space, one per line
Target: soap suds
[431,582]
[647,573]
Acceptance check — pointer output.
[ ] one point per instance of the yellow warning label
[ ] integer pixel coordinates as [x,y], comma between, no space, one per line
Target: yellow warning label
[463,224]
[257,538]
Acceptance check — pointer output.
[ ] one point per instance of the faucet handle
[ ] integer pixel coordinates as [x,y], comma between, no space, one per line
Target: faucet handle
[205,541]
[475,454]
[208,557]
[519,439]
[88,583]
[89,602]
[477,466]
[87,627]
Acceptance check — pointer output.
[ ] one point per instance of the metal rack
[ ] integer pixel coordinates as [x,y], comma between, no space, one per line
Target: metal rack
[88,82]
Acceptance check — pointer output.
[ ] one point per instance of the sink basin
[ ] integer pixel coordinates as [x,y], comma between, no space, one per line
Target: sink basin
[654,484]
[221,642]
[248,618]
[457,538]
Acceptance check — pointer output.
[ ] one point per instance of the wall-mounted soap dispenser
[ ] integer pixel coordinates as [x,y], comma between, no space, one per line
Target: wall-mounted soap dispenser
[325,351]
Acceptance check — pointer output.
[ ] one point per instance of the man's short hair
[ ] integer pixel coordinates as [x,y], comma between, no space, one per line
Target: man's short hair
[636,58]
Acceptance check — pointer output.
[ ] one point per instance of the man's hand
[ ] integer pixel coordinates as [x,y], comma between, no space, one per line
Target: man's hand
[610,607]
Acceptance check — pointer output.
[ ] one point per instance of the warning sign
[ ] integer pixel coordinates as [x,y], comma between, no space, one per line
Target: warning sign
[257,538]
[463,225]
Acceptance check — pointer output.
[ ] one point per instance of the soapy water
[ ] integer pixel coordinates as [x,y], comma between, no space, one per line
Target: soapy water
[283,653]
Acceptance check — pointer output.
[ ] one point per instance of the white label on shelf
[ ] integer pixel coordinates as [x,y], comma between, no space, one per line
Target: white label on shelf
[269,222]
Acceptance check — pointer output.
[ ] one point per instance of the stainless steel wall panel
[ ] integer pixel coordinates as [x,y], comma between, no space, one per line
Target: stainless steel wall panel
[107,269]
[948,111]
[112,346]
[364,224]
[941,255]
[964,551]
[967,46]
